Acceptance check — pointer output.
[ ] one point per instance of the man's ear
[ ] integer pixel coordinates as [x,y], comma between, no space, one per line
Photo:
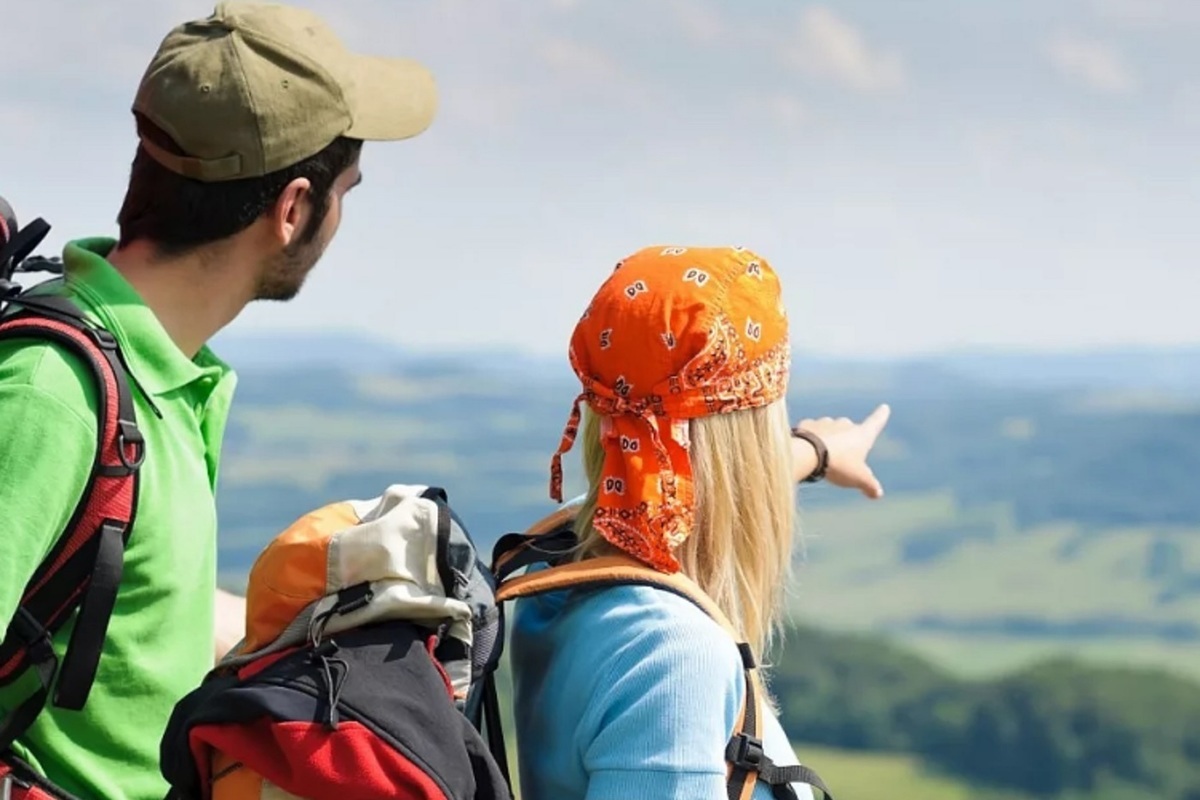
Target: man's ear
[291,210]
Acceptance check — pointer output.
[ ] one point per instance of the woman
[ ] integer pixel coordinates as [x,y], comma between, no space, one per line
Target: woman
[692,464]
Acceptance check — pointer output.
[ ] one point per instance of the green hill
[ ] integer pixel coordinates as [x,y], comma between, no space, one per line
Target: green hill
[1059,728]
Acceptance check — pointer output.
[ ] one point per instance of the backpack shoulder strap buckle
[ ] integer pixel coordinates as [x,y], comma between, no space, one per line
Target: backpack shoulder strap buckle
[745,752]
[36,637]
[130,436]
[103,337]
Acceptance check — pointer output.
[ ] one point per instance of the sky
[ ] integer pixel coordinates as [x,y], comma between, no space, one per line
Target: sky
[924,175]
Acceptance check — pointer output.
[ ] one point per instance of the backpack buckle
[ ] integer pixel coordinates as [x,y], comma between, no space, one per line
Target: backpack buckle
[103,339]
[128,435]
[37,639]
[745,752]
[8,289]
[352,598]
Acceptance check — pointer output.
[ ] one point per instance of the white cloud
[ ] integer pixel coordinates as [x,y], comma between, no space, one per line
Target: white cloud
[700,22]
[1187,105]
[578,61]
[786,110]
[44,50]
[1093,63]
[830,47]
[1149,14]
[485,105]
[573,75]
[25,122]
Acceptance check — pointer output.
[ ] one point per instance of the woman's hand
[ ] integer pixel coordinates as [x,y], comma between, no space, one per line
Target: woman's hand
[849,443]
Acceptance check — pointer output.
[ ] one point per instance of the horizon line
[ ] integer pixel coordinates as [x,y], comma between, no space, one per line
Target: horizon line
[282,334]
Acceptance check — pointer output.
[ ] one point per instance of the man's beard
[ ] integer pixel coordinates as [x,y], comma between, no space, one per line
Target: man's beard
[283,277]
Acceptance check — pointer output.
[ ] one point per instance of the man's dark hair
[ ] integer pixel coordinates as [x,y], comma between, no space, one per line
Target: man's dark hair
[178,214]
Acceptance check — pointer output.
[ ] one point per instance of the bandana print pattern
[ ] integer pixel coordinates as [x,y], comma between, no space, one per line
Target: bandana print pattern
[675,333]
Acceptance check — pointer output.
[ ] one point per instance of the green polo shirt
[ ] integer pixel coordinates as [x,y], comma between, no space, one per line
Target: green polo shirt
[160,639]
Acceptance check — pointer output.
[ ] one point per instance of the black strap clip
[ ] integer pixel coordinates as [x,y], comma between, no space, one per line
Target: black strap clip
[352,598]
[745,752]
[103,339]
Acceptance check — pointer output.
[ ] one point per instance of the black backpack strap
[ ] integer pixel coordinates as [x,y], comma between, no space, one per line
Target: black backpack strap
[42,660]
[83,570]
[744,752]
[15,246]
[493,727]
[550,540]
[516,551]
[748,760]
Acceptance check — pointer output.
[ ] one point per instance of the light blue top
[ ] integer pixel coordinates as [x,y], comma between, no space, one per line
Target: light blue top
[627,692]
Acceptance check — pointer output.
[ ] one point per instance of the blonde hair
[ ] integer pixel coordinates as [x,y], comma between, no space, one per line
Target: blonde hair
[740,552]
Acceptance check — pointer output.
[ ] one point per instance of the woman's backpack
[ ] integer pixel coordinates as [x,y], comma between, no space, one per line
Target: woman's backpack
[551,542]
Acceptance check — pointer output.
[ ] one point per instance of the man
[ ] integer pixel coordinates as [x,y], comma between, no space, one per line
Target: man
[250,124]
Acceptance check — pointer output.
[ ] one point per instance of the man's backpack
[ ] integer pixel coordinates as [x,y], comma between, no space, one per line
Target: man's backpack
[370,627]
[551,542]
[80,575]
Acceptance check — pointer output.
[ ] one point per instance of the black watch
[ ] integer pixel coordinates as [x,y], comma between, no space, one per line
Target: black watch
[817,474]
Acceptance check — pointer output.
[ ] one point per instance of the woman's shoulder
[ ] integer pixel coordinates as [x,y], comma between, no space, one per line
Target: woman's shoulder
[633,618]
[636,641]
[631,629]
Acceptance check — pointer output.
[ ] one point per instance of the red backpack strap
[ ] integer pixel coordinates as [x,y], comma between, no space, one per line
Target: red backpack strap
[83,569]
[20,781]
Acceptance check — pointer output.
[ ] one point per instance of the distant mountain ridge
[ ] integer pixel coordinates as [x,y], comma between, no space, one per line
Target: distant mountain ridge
[352,350]
[1174,370]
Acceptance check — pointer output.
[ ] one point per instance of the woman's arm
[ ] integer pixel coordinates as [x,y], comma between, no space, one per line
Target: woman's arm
[664,704]
[849,443]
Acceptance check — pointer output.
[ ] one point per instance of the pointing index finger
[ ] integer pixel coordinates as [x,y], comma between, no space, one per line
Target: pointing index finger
[878,418]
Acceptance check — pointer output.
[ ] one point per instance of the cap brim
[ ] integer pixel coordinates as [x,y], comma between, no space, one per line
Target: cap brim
[393,98]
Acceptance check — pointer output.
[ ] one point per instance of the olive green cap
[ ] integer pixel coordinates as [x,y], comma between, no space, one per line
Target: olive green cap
[257,87]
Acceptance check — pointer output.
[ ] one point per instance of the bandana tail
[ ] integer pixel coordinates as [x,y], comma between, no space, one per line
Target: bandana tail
[568,440]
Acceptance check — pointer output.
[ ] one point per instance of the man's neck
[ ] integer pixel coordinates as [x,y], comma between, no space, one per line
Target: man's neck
[194,296]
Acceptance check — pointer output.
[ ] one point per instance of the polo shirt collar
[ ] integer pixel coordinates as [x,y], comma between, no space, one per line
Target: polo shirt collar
[155,360]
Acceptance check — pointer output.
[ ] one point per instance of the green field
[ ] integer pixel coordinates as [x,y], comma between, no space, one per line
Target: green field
[856,577]
[888,776]
[979,656]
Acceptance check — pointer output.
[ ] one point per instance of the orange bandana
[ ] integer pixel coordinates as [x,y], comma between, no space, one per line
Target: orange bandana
[674,333]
